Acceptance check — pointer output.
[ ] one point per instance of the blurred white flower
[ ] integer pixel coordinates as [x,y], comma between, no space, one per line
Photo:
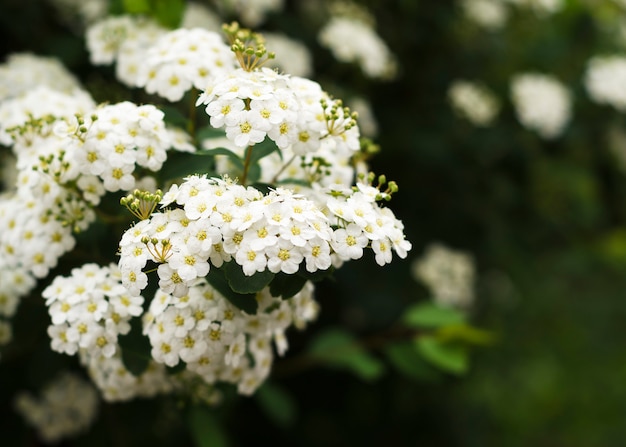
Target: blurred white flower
[605,79]
[352,40]
[489,14]
[542,103]
[474,102]
[448,274]
[67,406]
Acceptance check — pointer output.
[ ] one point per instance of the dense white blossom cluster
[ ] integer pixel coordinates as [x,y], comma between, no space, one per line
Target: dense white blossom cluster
[182,59]
[67,406]
[312,217]
[219,342]
[448,274]
[542,103]
[124,40]
[293,112]
[89,310]
[474,102]
[604,80]
[355,41]
[23,71]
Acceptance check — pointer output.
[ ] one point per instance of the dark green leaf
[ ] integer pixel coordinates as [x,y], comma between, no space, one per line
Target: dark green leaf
[135,348]
[429,315]
[278,405]
[286,286]
[240,283]
[450,357]
[205,429]
[262,149]
[208,133]
[339,349]
[245,302]
[174,116]
[405,358]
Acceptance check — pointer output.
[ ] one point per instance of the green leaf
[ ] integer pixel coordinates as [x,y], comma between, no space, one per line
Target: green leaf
[405,358]
[466,334]
[278,405]
[135,348]
[450,357]
[429,315]
[339,349]
[234,158]
[286,286]
[168,13]
[241,283]
[205,429]
[136,6]
[174,116]
[209,133]
[262,149]
[183,164]
[245,302]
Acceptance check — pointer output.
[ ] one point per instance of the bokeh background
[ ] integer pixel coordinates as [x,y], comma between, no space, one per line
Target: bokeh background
[543,219]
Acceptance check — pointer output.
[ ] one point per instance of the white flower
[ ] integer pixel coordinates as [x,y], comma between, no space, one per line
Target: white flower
[353,40]
[542,103]
[473,102]
[449,274]
[604,80]
[490,14]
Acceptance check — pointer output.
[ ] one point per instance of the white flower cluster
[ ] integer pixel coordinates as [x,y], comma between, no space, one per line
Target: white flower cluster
[489,14]
[39,103]
[125,40]
[542,103]
[360,222]
[23,71]
[184,58]
[353,40]
[293,112]
[448,274]
[474,102]
[219,342]
[66,407]
[116,383]
[221,221]
[89,310]
[116,138]
[604,80]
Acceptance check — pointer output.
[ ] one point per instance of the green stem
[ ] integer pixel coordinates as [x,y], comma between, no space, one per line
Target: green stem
[246,165]
[191,122]
[282,169]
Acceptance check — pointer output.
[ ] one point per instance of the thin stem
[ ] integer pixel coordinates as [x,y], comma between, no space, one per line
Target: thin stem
[282,169]
[191,122]
[246,165]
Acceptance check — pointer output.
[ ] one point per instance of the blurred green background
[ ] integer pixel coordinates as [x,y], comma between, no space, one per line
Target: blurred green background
[544,220]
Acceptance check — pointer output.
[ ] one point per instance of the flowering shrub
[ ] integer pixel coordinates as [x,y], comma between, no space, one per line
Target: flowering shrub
[234,201]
